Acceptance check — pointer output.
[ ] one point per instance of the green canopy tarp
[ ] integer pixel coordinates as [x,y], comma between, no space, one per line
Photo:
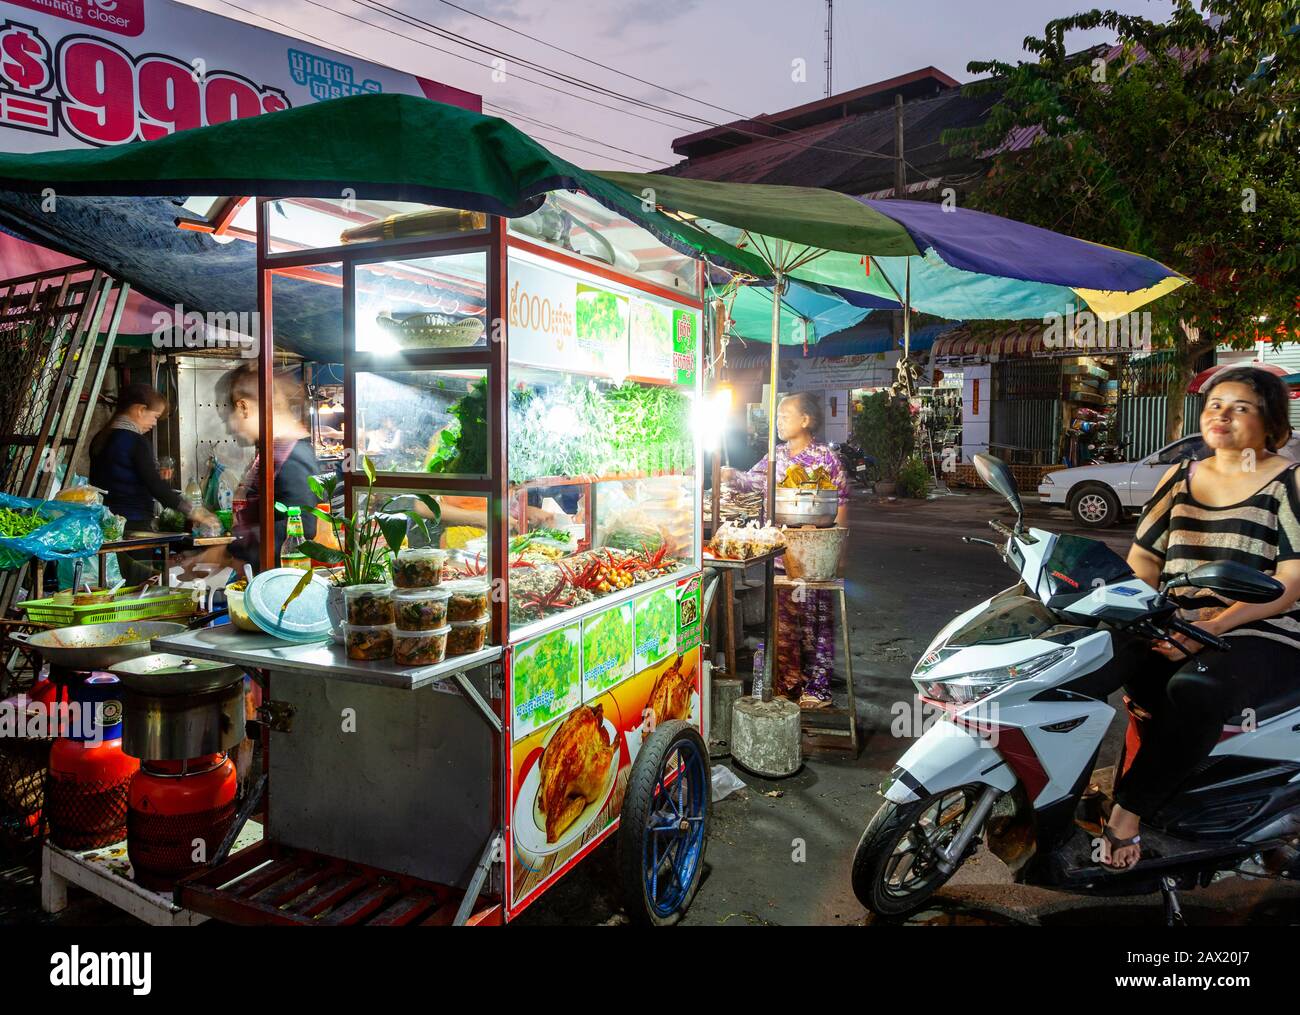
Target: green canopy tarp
[394,147]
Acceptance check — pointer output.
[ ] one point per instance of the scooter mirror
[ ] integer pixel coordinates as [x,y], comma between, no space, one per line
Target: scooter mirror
[998,477]
[1232,580]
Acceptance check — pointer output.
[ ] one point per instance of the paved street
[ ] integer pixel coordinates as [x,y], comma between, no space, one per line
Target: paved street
[910,574]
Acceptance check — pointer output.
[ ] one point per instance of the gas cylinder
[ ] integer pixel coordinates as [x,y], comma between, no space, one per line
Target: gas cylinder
[90,777]
[178,814]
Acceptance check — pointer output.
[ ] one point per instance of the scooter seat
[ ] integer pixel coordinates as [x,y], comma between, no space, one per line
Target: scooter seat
[1281,703]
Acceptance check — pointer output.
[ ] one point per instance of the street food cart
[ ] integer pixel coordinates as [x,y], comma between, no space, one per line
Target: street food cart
[480,780]
[545,345]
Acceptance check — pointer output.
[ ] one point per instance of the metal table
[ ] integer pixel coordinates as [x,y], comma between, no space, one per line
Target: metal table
[388,767]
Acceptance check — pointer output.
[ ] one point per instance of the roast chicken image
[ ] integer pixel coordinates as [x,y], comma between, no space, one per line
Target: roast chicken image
[573,768]
[671,696]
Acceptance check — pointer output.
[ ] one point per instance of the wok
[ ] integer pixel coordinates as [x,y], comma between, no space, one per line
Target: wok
[165,674]
[97,646]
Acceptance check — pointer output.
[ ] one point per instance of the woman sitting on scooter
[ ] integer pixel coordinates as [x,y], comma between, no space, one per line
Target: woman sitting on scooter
[1241,504]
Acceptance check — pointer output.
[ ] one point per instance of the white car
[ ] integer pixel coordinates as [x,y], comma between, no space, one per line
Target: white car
[1098,495]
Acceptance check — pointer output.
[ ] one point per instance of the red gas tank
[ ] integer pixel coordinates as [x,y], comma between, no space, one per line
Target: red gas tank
[179,811]
[89,775]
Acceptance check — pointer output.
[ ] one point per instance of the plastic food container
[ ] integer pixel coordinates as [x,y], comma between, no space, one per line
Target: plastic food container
[420,648]
[421,609]
[466,636]
[238,614]
[419,569]
[469,600]
[368,643]
[369,605]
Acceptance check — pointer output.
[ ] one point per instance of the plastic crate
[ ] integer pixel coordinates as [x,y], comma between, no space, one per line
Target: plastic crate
[46,611]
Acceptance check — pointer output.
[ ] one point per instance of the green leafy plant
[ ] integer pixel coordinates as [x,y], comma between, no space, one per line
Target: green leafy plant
[1179,143]
[914,479]
[883,430]
[464,450]
[367,540]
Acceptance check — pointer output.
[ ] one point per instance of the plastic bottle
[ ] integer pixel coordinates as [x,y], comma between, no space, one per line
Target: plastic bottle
[291,554]
[758,671]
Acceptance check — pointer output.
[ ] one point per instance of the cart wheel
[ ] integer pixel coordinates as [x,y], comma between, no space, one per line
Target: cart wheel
[664,825]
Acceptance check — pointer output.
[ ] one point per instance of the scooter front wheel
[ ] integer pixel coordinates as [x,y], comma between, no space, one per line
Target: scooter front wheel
[896,867]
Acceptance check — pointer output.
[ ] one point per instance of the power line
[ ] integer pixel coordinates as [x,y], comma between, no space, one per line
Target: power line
[343,49]
[587,59]
[563,130]
[427,26]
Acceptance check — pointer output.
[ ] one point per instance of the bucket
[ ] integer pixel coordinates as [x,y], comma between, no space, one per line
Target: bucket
[813,554]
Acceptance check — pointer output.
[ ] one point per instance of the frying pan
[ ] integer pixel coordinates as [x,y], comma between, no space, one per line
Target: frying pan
[97,646]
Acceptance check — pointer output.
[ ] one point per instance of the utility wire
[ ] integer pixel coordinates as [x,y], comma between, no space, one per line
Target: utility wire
[328,44]
[427,26]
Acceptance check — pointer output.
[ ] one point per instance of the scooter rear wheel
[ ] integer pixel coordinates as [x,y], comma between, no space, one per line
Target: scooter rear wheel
[895,868]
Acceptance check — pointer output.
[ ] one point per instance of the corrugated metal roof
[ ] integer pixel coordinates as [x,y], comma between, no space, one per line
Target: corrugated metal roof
[835,154]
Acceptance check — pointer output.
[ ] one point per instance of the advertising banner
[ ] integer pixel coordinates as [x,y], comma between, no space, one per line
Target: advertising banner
[567,320]
[569,778]
[91,73]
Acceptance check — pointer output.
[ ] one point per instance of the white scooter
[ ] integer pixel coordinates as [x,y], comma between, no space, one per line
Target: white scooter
[1020,684]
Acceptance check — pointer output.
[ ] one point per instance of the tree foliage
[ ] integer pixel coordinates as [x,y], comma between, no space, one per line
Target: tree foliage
[1182,142]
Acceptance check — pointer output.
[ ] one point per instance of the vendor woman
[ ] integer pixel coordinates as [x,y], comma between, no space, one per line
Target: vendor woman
[805,656]
[123,466]
[293,460]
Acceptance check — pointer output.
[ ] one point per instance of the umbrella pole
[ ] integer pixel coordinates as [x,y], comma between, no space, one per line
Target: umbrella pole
[769,569]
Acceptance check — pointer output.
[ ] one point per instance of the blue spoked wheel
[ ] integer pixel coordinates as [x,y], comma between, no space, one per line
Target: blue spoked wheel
[664,825]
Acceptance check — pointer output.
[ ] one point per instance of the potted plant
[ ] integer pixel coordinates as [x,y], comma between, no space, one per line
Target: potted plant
[366,541]
[883,430]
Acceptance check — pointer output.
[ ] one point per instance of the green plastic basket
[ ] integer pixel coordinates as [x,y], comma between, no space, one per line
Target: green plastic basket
[46,611]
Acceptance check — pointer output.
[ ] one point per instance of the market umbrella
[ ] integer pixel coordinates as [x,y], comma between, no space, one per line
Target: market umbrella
[949,262]
[1201,381]
[809,312]
[378,146]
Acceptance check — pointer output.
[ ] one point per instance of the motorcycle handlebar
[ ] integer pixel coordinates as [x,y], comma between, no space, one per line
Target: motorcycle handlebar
[1196,634]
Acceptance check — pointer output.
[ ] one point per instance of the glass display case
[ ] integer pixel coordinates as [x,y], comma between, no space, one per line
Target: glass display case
[602,456]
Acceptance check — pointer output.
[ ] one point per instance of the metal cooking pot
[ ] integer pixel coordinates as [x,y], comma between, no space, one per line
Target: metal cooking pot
[176,708]
[795,507]
[97,646]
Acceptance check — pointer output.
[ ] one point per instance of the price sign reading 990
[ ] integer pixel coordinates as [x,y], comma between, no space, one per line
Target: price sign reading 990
[107,97]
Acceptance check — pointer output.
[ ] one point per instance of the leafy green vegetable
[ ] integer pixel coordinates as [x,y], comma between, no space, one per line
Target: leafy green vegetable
[546,679]
[463,450]
[656,626]
[628,428]
[607,649]
[15,523]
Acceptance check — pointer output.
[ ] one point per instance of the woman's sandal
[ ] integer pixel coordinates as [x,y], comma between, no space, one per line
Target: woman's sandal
[811,701]
[1117,843]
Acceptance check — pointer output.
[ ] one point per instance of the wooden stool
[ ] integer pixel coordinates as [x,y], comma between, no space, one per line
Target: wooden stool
[834,728]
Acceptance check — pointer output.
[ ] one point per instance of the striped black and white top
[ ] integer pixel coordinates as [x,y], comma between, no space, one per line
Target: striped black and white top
[1260,531]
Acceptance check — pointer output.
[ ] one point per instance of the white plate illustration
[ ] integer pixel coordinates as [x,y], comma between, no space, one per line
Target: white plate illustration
[530,822]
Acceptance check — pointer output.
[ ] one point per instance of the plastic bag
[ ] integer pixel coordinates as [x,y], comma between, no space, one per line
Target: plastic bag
[724,782]
[72,531]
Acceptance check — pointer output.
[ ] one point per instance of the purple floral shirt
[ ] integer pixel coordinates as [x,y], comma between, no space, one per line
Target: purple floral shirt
[811,457]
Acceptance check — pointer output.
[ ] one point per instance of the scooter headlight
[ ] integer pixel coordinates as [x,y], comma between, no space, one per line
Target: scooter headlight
[966,688]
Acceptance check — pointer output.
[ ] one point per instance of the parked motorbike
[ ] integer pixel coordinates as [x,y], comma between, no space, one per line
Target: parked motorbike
[1020,686]
[856,464]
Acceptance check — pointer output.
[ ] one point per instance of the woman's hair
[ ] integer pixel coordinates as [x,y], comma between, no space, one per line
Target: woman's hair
[241,383]
[132,394]
[808,404]
[1273,400]
[139,394]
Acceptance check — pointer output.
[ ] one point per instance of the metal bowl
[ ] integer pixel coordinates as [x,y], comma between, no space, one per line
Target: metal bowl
[97,646]
[796,507]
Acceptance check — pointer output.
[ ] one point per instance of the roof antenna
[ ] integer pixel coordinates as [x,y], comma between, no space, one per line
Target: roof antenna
[830,43]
